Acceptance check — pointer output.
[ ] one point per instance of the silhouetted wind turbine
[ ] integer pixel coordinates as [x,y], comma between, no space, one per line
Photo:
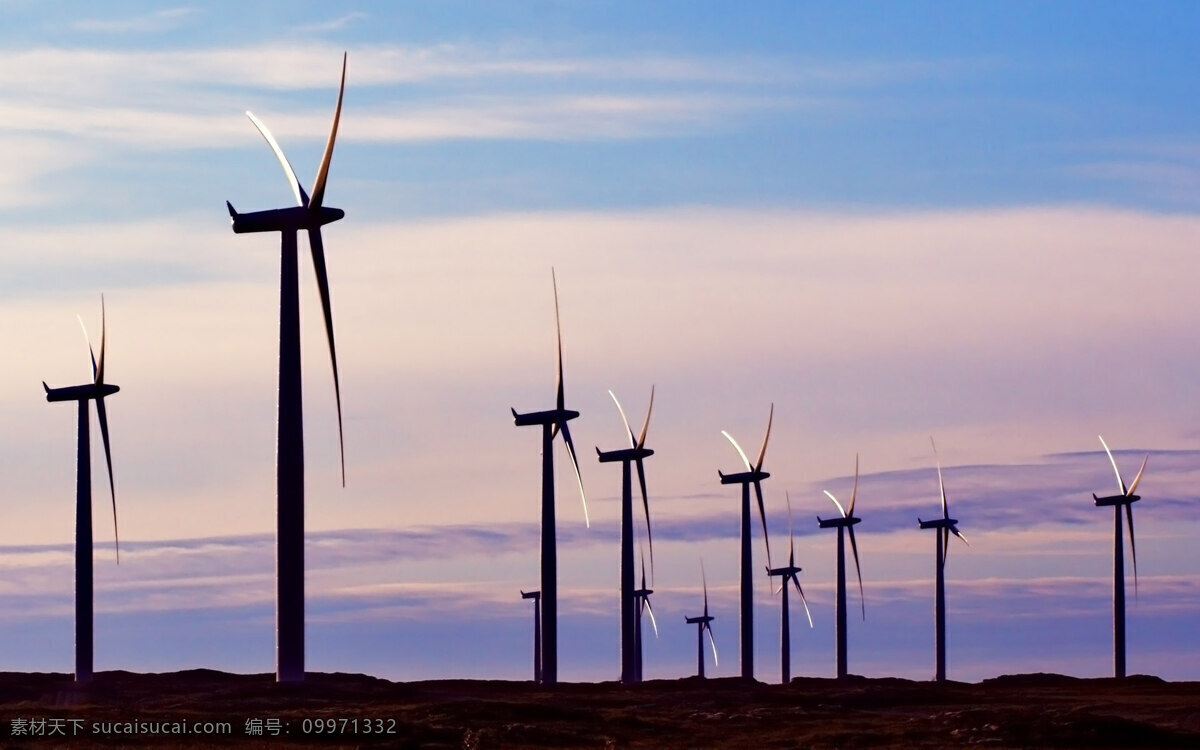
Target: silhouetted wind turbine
[310,214]
[635,453]
[752,475]
[552,421]
[1126,500]
[96,390]
[703,624]
[844,524]
[945,527]
[642,596]
[788,574]
[536,596]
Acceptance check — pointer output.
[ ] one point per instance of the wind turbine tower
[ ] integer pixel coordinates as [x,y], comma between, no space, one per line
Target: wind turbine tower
[94,391]
[1124,500]
[753,475]
[536,596]
[945,526]
[703,625]
[788,574]
[310,214]
[552,422]
[636,453]
[642,596]
[844,524]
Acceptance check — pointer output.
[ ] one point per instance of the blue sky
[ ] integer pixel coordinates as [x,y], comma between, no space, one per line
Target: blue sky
[892,221]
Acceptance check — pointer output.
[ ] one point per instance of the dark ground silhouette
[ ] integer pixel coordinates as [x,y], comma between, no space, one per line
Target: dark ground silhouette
[1005,712]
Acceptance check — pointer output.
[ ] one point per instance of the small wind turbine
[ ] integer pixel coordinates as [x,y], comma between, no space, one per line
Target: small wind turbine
[703,625]
[642,596]
[1126,500]
[788,575]
[636,453]
[536,596]
[844,524]
[945,527]
[552,422]
[96,390]
[309,214]
[752,475]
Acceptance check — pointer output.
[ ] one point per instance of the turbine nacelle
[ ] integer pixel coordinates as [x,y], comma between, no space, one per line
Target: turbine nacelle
[551,416]
[292,219]
[940,523]
[1115,500]
[80,392]
[531,595]
[789,571]
[743,477]
[833,523]
[702,620]
[624,454]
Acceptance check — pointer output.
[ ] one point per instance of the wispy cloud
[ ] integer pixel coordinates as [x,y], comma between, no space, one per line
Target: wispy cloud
[161,20]
[333,24]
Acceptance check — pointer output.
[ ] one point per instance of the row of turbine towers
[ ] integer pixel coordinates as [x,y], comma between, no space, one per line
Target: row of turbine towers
[634,600]
[309,215]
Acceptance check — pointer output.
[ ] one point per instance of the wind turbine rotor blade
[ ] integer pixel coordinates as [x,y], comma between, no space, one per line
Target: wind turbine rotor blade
[99,370]
[954,530]
[1132,487]
[762,452]
[941,485]
[102,414]
[712,642]
[641,472]
[861,597]
[1113,461]
[762,514]
[288,172]
[704,582]
[854,490]
[560,398]
[318,258]
[91,352]
[318,190]
[738,448]
[566,433]
[835,502]
[650,611]
[641,441]
[629,432]
[944,540]
[803,599]
[1132,545]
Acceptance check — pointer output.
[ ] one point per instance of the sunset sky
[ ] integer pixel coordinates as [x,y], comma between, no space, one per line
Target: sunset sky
[976,222]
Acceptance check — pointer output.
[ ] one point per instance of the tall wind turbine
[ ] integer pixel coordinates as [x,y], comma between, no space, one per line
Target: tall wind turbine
[752,475]
[636,453]
[945,527]
[536,596]
[844,524]
[1126,500]
[642,596]
[788,575]
[94,391]
[703,625]
[552,422]
[309,214]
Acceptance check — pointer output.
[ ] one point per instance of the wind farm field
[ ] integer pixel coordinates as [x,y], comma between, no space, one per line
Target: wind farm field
[186,709]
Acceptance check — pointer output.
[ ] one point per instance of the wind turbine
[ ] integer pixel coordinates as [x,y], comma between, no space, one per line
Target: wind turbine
[752,475]
[788,574]
[1126,499]
[552,422]
[636,453]
[96,390]
[844,524]
[642,596]
[310,214]
[945,527]
[703,624]
[536,596]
